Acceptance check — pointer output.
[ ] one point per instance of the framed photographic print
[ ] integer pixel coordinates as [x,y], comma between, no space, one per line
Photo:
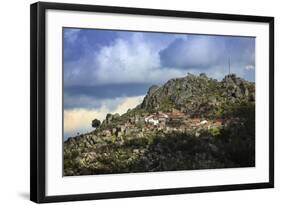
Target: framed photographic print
[129,102]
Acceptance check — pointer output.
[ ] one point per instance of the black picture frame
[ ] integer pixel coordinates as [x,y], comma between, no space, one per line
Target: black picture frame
[38,101]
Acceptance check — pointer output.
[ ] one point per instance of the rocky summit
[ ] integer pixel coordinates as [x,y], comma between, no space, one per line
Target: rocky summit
[194,122]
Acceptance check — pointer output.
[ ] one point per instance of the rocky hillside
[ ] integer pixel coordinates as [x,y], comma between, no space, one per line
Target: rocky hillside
[199,95]
[193,122]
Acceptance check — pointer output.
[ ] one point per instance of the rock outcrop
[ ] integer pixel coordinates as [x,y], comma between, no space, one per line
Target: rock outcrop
[198,95]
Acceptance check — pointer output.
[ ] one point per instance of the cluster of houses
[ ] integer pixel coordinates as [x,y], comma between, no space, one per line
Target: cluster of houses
[162,121]
[157,119]
[163,118]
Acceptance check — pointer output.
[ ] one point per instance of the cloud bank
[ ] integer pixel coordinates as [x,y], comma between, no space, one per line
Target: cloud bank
[138,57]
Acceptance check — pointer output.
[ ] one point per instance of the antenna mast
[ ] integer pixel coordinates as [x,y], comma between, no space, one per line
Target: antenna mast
[228,65]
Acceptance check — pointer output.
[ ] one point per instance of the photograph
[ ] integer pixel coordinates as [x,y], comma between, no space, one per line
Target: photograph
[143,101]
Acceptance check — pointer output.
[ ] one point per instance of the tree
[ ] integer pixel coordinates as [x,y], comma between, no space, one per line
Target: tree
[96,123]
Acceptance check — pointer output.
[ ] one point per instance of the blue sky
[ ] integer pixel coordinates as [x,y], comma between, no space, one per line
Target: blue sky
[110,71]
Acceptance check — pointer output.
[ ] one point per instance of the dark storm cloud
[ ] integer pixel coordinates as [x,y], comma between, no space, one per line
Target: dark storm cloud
[204,52]
[92,96]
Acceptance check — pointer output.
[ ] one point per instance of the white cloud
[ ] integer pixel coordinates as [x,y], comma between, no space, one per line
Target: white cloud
[79,120]
[133,59]
[129,102]
[126,60]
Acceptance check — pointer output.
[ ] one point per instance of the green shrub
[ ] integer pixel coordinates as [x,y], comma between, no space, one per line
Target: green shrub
[137,142]
[215,131]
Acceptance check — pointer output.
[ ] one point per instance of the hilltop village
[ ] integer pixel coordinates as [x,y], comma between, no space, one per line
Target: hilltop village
[175,120]
[194,122]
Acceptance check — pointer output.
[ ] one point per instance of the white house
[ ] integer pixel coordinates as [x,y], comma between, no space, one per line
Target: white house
[153,121]
[156,119]
[203,122]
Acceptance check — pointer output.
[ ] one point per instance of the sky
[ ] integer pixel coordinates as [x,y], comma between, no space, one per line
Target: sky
[107,71]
